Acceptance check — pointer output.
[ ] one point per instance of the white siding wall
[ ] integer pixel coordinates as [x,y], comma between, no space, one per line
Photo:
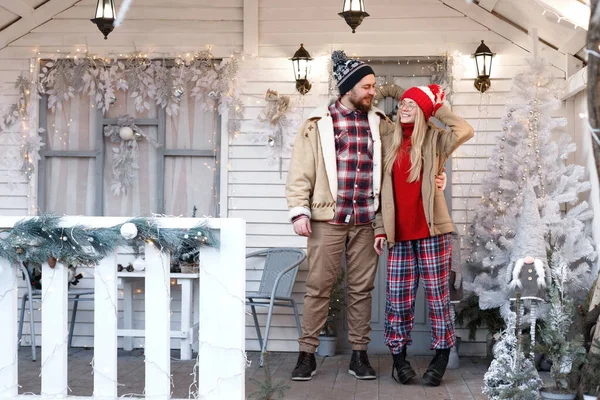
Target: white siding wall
[13,186]
[255,191]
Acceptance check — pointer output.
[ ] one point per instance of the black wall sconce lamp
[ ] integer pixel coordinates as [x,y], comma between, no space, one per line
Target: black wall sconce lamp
[483,61]
[301,63]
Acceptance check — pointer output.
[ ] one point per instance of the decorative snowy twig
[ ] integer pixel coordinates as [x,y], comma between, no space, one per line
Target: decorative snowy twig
[126,155]
[279,139]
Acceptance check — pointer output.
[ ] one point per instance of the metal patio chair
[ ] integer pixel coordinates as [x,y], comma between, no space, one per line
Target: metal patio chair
[277,281]
[36,295]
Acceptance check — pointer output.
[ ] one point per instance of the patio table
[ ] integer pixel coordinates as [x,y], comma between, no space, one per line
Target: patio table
[189,310]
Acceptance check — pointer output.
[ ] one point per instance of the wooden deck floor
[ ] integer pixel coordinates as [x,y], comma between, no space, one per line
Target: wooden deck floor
[331,382]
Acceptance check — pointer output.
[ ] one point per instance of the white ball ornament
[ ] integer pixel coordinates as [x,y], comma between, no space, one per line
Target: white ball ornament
[129,231]
[126,133]
[139,264]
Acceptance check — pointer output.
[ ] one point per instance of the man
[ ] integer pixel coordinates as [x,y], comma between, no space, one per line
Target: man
[332,191]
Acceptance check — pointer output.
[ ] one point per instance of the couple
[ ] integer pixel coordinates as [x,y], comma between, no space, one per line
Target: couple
[357,180]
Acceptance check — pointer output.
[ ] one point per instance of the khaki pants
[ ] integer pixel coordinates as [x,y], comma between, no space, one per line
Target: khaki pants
[325,248]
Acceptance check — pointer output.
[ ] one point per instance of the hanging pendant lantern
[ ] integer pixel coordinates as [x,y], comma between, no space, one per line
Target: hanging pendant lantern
[105,16]
[354,13]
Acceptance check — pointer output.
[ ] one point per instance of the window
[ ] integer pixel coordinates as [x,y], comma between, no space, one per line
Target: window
[75,170]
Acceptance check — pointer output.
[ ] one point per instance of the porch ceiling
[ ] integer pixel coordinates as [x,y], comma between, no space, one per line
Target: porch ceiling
[562,24]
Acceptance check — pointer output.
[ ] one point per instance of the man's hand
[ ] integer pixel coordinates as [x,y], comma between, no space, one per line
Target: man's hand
[302,226]
[379,245]
[440,180]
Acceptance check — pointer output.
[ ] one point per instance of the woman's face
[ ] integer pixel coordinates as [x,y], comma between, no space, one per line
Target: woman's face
[407,111]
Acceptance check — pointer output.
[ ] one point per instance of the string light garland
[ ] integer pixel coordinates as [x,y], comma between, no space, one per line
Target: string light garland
[560,17]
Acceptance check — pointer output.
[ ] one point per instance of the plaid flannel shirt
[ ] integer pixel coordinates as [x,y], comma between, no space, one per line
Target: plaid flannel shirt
[354,158]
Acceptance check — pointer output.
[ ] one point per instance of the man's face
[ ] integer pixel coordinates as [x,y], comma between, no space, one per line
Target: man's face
[361,95]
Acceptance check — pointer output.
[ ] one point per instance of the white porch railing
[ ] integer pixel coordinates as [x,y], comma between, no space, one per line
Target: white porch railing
[221,333]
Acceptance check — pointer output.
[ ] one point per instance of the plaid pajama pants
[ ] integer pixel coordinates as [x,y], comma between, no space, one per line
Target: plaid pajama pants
[408,262]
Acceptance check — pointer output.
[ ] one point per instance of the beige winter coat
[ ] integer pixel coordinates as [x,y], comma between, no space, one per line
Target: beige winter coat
[312,180]
[438,146]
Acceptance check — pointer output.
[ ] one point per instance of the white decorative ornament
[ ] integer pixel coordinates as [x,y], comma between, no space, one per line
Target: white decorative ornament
[178,91]
[139,264]
[129,231]
[126,133]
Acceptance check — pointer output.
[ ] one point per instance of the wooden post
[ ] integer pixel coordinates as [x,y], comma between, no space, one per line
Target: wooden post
[593,90]
[221,334]
[593,98]
[8,332]
[105,328]
[158,324]
[54,331]
[186,319]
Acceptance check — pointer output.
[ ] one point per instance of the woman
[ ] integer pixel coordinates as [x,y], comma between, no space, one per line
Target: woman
[414,219]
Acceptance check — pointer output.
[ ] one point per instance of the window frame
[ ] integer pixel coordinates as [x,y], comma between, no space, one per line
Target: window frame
[100,151]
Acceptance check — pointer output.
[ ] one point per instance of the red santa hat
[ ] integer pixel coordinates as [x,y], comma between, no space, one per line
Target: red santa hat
[428,98]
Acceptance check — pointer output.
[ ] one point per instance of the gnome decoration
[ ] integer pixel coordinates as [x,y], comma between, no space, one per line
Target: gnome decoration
[529,274]
[528,256]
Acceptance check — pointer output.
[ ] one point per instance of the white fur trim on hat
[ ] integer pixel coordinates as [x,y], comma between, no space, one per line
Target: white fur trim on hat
[428,92]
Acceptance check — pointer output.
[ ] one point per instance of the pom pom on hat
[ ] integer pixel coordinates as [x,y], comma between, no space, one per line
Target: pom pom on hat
[429,98]
[348,72]
[339,57]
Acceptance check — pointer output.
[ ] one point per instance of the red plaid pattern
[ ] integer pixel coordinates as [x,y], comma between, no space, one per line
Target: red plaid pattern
[354,151]
[427,259]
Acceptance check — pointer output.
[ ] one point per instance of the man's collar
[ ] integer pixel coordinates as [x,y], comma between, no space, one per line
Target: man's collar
[345,111]
[322,111]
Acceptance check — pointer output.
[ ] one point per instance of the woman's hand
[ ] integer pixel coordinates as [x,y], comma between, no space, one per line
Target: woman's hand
[440,180]
[379,245]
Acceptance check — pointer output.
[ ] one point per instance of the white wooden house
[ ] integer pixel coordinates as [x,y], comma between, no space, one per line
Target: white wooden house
[231,176]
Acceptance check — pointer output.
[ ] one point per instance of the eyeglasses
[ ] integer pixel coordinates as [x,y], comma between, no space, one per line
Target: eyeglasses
[408,106]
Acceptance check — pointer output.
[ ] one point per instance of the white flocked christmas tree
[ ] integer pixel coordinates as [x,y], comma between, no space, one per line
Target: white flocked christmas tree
[532,149]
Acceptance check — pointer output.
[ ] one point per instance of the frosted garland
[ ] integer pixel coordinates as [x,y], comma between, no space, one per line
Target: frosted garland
[38,240]
[215,85]
[146,80]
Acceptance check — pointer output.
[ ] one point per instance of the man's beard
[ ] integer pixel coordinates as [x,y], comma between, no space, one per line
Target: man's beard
[360,104]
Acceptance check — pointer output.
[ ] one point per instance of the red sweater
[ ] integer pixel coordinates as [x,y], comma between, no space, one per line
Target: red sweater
[411,223]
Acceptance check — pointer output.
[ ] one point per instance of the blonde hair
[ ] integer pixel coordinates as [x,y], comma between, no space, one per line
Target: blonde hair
[418,137]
